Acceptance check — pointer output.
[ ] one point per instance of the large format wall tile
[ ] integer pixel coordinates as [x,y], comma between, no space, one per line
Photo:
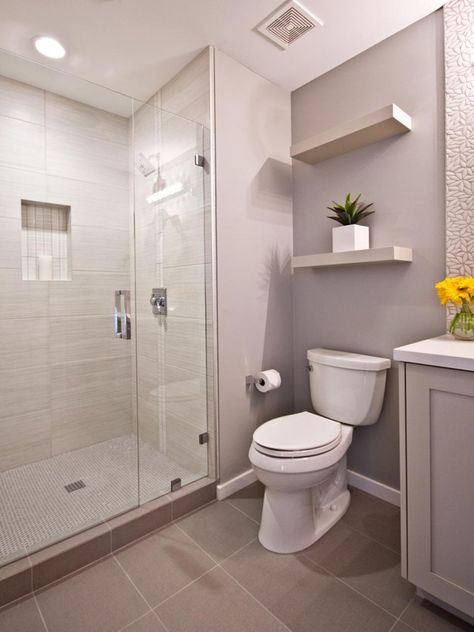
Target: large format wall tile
[24,342]
[183,239]
[24,439]
[100,249]
[89,382]
[22,299]
[20,101]
[78,118]
[17,185]
[188,93]
[88,294]
[185,344]
[77,426]
[75,339]
[23,144]
[24,390]
[88,159]
[10,250]
[92,204]
[186,293]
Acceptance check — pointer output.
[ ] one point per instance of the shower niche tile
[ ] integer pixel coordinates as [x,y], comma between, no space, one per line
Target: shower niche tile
[45,241]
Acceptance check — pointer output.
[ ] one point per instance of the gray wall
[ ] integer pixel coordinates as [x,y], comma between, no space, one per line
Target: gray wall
[374,309]
[254,242]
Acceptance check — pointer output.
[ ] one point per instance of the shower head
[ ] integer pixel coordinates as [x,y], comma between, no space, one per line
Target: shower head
[144,165]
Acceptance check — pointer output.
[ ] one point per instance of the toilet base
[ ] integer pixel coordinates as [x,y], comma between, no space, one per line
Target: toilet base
[292,521]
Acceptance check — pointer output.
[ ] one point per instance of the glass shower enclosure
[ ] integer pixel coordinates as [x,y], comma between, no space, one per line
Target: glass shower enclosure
[104,286]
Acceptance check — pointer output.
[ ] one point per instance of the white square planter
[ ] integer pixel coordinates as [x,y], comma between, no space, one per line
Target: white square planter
[351,237]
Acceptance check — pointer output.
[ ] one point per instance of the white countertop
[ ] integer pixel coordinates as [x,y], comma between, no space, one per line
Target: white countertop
[444,351]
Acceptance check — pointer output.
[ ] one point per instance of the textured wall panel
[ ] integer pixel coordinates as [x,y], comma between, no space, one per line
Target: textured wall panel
[459,60]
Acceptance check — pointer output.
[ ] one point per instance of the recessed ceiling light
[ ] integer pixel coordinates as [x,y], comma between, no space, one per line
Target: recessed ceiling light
[49,47]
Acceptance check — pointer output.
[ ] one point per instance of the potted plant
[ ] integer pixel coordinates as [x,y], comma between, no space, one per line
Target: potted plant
[350,236]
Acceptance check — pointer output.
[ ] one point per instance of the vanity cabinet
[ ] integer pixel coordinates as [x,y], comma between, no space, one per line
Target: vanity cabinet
[437,479]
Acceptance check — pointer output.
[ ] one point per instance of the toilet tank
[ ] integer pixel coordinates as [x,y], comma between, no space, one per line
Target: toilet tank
[347,387]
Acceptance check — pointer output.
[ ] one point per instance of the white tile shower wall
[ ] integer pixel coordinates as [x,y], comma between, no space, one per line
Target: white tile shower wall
[171,251]
[65,381]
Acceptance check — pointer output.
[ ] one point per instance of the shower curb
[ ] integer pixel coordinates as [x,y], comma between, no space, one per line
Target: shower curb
[35,571]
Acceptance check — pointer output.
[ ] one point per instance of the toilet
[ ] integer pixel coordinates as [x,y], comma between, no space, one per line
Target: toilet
[301,458]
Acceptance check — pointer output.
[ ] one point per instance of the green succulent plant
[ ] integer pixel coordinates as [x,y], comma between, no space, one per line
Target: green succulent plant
[351,213]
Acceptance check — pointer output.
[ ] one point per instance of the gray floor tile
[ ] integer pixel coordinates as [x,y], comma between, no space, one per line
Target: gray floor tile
[423,616]
[401,627]
[374,517]
[365,565]
[99,598]
[21,617]
[249,500]
[163,563]
[148,623]
[302,595]
[220,529]
[215,603]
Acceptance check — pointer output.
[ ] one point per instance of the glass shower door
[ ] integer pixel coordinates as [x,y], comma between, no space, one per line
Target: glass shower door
[170,301]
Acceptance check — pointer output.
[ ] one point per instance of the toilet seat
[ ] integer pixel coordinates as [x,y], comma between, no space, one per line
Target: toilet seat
[297,436]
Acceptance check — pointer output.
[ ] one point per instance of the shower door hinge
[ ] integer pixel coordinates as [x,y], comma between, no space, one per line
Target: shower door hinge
[199,160]
[175,484]
[203,438]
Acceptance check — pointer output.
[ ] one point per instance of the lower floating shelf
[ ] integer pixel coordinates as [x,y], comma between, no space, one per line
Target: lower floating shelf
[389,254]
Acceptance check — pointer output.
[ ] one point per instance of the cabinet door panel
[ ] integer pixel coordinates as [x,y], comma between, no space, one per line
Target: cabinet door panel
[440,491]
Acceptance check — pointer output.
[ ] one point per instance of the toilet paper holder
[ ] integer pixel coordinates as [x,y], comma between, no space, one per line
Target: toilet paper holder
[251,380]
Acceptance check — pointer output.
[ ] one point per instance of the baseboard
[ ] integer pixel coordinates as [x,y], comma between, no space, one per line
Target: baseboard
[224,490]
[359,481]
[369,485]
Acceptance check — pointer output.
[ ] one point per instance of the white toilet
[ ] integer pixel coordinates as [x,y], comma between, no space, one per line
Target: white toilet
[301,459]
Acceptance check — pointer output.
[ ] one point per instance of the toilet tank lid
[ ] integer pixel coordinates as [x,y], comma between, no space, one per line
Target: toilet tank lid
[346,360]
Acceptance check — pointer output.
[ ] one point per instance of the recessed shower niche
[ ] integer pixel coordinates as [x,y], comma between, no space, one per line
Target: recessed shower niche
[45,241]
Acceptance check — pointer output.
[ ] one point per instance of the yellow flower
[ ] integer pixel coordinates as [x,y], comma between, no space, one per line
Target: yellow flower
[456,289]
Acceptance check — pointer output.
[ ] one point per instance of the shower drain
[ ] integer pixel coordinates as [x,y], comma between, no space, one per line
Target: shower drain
[72,487]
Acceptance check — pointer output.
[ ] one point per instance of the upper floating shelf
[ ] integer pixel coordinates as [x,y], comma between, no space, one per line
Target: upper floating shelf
[384,123]
[389,254]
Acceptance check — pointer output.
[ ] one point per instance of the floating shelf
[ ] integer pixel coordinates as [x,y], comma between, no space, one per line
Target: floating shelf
[390,254]
[384,123]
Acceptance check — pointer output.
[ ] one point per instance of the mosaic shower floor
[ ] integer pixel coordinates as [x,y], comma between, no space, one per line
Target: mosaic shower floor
[36,509]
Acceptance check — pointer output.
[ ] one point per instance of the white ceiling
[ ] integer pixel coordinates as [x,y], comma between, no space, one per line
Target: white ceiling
[135,46]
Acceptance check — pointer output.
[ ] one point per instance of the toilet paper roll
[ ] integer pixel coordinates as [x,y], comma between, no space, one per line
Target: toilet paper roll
[267,380]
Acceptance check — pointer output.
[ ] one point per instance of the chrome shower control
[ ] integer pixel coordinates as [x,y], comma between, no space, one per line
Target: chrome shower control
[159,301]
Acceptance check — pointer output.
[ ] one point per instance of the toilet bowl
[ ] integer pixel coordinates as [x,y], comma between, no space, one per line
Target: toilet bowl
[301,458]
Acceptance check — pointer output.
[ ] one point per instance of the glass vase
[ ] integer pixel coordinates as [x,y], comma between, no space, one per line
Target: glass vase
[462,324]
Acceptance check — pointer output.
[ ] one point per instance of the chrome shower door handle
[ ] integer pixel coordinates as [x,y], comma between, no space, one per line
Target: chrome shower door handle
[122,319]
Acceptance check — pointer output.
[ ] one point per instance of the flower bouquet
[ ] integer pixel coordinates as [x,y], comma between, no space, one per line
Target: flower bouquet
[460,291]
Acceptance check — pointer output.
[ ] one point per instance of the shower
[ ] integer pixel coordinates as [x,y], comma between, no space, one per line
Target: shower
[104,390]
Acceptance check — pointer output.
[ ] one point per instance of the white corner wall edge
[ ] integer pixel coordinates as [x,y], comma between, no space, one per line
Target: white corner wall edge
[359,481]
[373,487]
[224,490]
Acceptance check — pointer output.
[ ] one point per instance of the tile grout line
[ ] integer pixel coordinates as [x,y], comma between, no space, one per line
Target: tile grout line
[255,598]
[370,538]
[40,613]
[399,620]
[150,608]
[242,512]
[341,581]
[219,565]
[138,619]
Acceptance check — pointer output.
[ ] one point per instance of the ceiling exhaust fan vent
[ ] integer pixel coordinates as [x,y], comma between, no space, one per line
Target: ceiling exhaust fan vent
[288,23]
